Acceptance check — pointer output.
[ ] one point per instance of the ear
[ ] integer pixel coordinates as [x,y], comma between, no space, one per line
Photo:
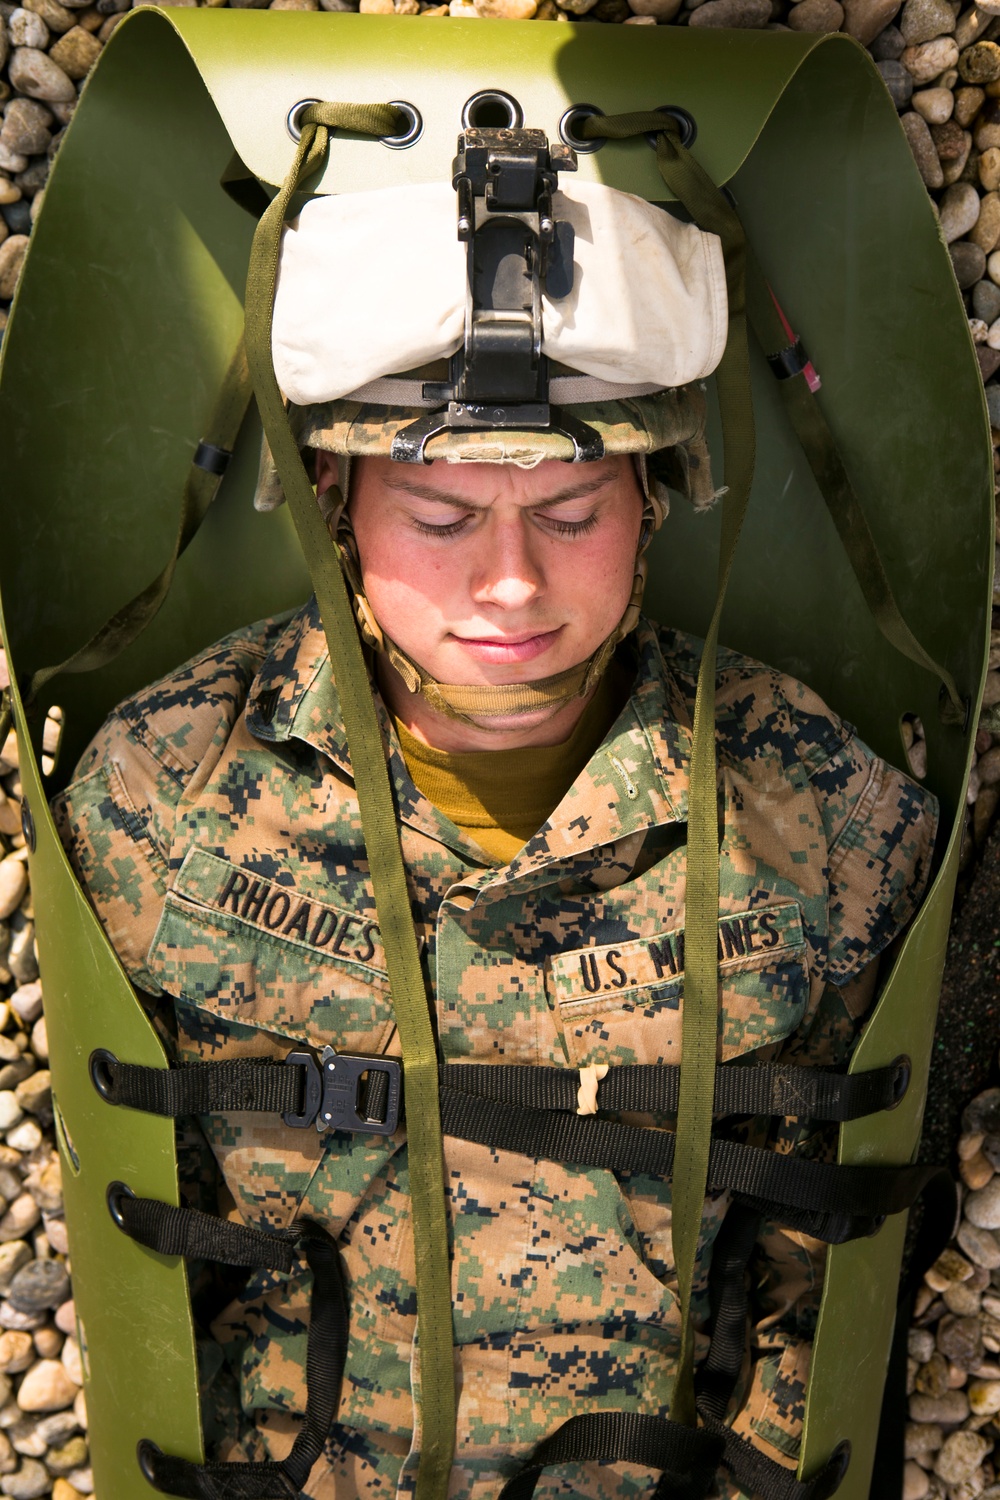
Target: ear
[326,470]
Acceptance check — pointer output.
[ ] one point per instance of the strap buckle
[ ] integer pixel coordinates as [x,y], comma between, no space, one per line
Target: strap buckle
[348,1091]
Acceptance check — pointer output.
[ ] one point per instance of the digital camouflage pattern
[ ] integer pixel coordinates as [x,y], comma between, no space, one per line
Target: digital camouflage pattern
[670,424]
[214,824]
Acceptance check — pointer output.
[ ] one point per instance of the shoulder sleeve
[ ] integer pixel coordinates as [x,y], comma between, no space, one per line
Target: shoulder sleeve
[117,816]
[880,828]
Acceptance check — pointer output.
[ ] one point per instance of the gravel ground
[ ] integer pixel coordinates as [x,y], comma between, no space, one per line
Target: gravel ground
[941,65]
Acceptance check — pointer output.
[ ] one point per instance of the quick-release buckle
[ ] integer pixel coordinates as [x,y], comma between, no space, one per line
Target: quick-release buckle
[347,1091]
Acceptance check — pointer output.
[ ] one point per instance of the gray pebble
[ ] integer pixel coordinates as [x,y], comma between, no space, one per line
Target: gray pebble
[918,135]
[960,1456]
[42,1284]
[57,1428]
[923,20]
[922,1438]
[26,127]
[920,1345]
[960,1340]
[948,1410]
[17,216]
[959,208]
[29,1483]
[25,29]
[750,15]
[969,261]
[24,1438]
[898,81]
[980,1245]
[986,305]
[888,45]
[33,72]
[993,407]
[982,1115]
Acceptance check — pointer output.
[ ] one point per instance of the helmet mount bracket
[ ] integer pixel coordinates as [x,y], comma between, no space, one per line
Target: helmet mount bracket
[499,378]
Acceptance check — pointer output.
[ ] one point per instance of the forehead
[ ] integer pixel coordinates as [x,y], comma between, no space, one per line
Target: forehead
[484,484]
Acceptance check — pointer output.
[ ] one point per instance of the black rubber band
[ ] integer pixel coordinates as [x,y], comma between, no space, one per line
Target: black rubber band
[792,360]
[212,459]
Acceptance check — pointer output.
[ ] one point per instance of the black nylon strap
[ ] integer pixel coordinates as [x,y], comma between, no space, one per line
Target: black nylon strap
[201,1088]
[770,1180]
[326,1352]
[688,1457]
[762,1477]
[716,1377]
[274,1087]
[197,1236]
[740,1089]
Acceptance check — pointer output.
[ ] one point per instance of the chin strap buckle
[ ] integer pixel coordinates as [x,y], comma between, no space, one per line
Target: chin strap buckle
[348,1091]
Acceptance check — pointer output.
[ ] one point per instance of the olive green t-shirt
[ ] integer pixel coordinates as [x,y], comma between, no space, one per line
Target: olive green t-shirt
[501,797]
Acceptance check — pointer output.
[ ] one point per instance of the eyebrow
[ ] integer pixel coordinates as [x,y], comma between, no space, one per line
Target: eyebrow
[428,492]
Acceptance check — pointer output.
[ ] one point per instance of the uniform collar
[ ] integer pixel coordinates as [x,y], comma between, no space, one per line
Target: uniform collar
[636,780]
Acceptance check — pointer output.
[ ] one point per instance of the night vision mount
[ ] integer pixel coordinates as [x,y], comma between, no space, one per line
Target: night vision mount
[499,379]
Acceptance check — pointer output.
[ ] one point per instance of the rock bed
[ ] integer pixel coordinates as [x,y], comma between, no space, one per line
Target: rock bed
[941,65]
[43,1419]
[953,1377]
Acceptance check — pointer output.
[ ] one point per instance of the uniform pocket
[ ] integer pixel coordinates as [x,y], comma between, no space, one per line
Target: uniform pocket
[623,1003]
[257,969]
[260,953]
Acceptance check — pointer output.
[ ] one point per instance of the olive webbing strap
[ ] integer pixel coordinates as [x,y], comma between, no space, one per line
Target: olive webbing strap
[437,1403]
[708,207]
[825,461]
[201,486]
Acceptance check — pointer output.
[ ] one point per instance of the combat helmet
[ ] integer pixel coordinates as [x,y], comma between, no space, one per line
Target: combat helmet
[776,115]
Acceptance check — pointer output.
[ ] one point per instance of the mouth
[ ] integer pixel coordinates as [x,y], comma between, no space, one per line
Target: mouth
[509,648]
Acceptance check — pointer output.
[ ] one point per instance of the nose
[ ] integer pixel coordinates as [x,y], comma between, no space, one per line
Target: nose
[510,576]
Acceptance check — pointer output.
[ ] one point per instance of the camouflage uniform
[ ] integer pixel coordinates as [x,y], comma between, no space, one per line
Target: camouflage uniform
[214,824]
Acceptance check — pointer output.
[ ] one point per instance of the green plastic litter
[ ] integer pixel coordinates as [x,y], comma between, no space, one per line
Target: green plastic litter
[126,316]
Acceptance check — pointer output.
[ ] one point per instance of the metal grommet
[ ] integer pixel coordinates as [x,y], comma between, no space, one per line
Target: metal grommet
[488,101]
[901,1082]
[28,825]
[685,121]
[146,1454]
[116,1192]
[831,1476]
[293,119]
[100,1074]
[568,135]
[414,129]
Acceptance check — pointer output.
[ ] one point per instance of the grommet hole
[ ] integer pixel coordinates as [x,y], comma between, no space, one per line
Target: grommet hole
[293,119]
[413,131]
[569,129]
[146,1454]
[492,109]
[684,121]
[117,1191]
[901,1082]
[101,1075]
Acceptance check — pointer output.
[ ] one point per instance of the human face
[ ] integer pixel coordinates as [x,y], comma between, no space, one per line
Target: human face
[489,573]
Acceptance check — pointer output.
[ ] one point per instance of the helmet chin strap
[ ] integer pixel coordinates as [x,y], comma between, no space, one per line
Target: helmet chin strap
[474,703]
